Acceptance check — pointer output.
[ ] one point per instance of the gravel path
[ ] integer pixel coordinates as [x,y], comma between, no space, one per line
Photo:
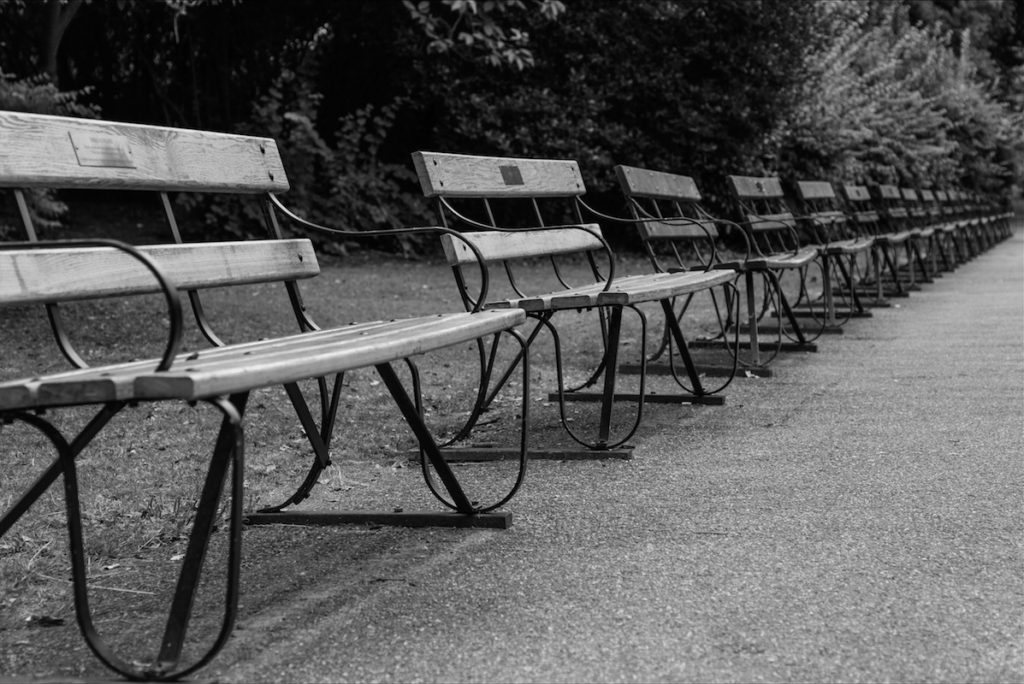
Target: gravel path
[856,518]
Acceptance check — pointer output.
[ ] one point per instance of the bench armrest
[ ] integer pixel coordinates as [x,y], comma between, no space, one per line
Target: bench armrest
[751,223]
[168,287]
[484,276]
[647,217]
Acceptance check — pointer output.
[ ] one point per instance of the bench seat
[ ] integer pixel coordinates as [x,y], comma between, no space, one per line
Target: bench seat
[624,291]
[797,259]
[851,246]
[226,370]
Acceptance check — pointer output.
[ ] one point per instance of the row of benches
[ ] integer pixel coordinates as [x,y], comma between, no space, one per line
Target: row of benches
[480,203]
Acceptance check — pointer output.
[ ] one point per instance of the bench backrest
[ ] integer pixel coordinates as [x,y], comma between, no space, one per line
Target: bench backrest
[823,211]
[915,207]
[60,152]
[510,209]
[930,201]
[489,180]
[762,203]
[763,212]
[665,195]
[686,234]
[65,274]
[861,209]
[889,202]
[53,152]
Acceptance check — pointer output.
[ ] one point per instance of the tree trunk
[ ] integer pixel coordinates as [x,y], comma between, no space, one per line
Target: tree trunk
[58,16]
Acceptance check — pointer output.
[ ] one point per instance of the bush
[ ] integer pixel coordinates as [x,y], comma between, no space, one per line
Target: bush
[38,95]
[346,186]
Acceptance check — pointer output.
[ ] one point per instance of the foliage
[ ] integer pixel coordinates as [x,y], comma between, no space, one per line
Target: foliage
[889,102]
[477,31]
[687,86]
[860,89]
[345,186]
[38,95]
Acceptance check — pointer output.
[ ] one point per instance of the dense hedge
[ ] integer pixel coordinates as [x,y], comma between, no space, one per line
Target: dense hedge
[921,92]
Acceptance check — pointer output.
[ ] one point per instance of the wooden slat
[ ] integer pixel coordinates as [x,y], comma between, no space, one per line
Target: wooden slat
[645,183]
[63,152]
[660,230]
[766,222]
[498,245]
[750,187]
[383,344]
[68,274]
[828,218]
[236,368]
[856,193]
[655,287]
[636,289]
[459,175]
[791,260]
[810,190]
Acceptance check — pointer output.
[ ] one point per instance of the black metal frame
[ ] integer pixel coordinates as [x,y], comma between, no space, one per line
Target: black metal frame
[609,318]
[229,453]
[769,240]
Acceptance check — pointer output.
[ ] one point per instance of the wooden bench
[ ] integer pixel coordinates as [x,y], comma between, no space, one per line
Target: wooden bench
[923,232]
[945,240]
[56,152]
[899,237]
[516,209]
[777,250]
[861,210]
[841,244]
[679,234]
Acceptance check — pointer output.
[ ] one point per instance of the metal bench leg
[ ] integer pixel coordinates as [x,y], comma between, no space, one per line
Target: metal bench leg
[53,471]
[228,452]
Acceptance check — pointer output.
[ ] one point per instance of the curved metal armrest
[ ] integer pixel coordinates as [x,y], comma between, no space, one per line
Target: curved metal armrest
[484,274]
[792,230]
[570,226]
[170,291]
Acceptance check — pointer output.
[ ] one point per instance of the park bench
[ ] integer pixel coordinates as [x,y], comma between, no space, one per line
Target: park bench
[777,251]
[924,234]
[900,238]
[946,231]
[64,153]
[885,281]
[842,246]
[992,219]
[679,235]
[513,210]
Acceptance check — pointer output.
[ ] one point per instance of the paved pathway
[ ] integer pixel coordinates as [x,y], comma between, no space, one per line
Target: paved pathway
[857,518]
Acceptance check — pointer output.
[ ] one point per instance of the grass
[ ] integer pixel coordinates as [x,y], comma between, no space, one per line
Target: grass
[141,477]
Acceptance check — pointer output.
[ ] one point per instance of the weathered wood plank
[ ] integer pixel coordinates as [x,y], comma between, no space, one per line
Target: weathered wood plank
[381,344]
[62,152]
[457,175]
[68,274]
[819,190]
[499,245]
[856,193]
[656,184]
[224,370]
[636,289]
[751,187]
[678,229]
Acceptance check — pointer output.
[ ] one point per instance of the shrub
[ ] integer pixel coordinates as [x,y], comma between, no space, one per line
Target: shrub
[38,95]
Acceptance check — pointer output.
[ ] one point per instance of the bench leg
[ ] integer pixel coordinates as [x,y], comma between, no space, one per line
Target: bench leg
[228,452]
[54,470]
[605,446]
